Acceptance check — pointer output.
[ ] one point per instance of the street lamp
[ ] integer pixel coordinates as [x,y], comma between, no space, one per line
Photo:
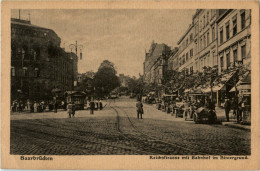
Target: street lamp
[75,46]
[22,52]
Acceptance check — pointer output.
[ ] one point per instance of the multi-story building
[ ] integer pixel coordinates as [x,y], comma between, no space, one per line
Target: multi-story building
[38,63]
[186,50]
[173,60]
[234,42]
[155,63]
[206,44]
[234,49]
[198,46]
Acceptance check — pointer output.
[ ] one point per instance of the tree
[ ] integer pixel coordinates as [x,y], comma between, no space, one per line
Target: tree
[105,80]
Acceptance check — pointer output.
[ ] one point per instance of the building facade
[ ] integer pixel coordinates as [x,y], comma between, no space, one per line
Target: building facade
[155,63]
[186,50]
[234,43]
[38,63]
[173,60]
[198,46]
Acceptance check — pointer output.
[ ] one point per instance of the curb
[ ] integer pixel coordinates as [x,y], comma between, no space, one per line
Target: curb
[237,126]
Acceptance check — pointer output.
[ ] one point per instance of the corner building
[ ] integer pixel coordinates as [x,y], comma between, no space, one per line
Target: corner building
[38,63]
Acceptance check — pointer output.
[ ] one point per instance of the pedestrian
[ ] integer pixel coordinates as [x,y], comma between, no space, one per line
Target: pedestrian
[96,103]
[62,104]
[31,107]
[140,110]
[70,109]
[35,106]
[55,106]
[227,106]
[14,106]
[19,106]
[92,107]
[73,109]
[100,105]
[65,105]
[234,106]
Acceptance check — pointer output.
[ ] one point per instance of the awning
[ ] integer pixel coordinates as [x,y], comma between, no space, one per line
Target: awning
[241,87]
[187,90]
[152,92]
[219,87]
[206,90]
[214,88]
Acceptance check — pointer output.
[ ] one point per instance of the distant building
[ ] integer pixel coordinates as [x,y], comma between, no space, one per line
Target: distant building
[155,63]
[173,63]
[38,63]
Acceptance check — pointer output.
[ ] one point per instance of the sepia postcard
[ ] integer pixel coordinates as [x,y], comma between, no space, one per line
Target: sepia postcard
[130,85]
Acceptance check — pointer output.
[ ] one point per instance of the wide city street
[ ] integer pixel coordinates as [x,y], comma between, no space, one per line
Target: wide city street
[116,130]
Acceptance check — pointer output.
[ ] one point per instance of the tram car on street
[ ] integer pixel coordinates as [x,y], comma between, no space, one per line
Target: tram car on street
[77,97]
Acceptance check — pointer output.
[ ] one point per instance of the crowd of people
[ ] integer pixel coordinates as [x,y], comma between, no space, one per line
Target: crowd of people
[34,106]
[44,106]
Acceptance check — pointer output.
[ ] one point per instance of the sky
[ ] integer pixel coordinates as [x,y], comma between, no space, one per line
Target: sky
[118,35]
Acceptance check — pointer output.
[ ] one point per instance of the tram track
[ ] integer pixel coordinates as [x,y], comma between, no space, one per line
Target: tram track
[137,140]
[74,136]
[203,150]
[167,145]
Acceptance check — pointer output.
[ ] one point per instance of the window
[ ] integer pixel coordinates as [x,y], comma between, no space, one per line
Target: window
[187,56]
[204,41]
[227,31]
[204,21]
[243,51]
[228,60]
[12,71]
[234,26]
[25,72]
[207,38]
[207,17]
[243,20]
[191,70]
[186,42]
[235,55]
[191,37]
[221,36]
[213,33]
[36,72]
[201,44]
[213,58]
[191,53]
[221,62]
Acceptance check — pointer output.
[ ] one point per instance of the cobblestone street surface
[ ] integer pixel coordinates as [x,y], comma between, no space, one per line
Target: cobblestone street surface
[115,130]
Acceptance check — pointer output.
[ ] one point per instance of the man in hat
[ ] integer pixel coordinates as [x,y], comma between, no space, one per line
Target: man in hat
[227,106]
[92,106]
[139,107]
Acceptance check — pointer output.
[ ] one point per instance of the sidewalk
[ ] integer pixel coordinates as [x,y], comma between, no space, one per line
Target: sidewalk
[221,117]
[237,125]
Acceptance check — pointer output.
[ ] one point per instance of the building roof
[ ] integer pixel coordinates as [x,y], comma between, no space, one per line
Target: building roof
[28,24]
[188,30]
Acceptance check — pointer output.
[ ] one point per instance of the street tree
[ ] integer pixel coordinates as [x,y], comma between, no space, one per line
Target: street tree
[105,80]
